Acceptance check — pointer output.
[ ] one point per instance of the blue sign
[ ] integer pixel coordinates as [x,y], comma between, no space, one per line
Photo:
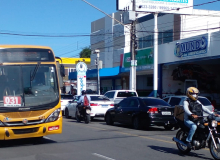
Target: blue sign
[191,48]
[174,1]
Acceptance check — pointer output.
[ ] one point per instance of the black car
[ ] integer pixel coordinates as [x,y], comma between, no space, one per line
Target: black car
[142,112]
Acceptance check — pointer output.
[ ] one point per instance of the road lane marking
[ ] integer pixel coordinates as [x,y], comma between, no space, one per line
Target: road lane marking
[46,137]
[101,156]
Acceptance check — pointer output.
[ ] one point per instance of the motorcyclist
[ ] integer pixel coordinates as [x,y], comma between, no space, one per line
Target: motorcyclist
[81,100]
[193,108]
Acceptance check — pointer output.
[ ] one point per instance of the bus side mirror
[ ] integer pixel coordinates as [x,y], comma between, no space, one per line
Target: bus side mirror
[62,70]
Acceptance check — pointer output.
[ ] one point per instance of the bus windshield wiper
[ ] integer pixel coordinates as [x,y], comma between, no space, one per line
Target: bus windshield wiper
[35,71]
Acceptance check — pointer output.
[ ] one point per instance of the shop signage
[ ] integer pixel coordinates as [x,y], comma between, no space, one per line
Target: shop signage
[144,59]
[191,48]
[164,6]
[81,69]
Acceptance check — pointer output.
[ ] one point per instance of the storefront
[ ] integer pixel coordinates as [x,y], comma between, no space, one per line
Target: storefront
[191,62]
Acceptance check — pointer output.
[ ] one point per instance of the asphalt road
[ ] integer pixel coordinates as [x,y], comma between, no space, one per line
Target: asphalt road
[98,141]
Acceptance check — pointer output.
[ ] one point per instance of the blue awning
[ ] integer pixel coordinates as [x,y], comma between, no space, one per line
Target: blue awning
[104,72]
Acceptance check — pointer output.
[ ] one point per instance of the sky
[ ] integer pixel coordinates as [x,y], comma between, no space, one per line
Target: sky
[57,18]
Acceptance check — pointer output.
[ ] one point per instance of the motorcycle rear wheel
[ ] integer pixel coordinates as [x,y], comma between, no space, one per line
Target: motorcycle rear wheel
[182,149]
[215,152]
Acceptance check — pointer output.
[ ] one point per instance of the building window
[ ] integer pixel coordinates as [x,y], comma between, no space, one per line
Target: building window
[140,43]
[168,36]
[144,40]
[160,38]
[148,41]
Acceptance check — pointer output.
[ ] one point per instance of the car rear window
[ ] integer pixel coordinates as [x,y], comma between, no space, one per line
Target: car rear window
[66,97]
[155,102]
[99,98]
[174,101]
[126,94]
[204,101]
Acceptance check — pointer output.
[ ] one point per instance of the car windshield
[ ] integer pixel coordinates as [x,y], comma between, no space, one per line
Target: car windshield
[28,85]
[204,101]
[155,102]
[66,97]
[99,98]
[127,94]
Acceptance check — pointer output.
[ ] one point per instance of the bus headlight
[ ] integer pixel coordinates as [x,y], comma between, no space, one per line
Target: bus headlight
[214,123]
[54,116]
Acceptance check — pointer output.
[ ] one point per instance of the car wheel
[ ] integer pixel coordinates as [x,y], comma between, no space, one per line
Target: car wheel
[92,118]
[67,113]
[168,127]
[108,119]
[137,123]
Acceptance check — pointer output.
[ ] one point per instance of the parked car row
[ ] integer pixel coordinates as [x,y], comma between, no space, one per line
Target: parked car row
[126,107]
[142,112]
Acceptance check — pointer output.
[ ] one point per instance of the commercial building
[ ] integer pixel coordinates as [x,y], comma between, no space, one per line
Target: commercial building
[188,53]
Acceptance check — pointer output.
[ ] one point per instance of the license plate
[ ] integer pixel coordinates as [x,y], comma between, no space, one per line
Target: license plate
[12,101]
[104,106]
[166,113]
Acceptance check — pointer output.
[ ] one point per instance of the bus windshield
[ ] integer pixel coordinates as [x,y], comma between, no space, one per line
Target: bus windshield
[28,85]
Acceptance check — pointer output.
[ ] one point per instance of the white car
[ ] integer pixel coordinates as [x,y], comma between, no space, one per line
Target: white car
[99,105]
[178,100]
[65,98]
[118,95]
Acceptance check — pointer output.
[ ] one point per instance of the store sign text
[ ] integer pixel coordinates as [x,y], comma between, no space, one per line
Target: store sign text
[191,48]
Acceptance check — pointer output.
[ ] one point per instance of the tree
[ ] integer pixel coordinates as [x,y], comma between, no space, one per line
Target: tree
[85,53]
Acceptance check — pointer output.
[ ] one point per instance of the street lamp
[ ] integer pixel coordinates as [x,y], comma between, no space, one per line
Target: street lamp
[97,63]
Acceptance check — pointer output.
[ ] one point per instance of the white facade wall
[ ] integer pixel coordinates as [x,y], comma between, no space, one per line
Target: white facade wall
[110,40]
[200,23]
[119,42]
[108,58]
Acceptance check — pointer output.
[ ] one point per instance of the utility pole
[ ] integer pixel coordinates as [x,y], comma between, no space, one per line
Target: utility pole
[97,63]
[133,45]
[155,54]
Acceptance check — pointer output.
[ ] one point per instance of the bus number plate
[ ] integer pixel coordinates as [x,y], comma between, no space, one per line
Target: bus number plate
[12,101]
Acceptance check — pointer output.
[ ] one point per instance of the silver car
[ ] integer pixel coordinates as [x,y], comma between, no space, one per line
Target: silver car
[178,100]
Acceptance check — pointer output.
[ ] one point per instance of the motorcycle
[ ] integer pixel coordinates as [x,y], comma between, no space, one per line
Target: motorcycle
[206,135]
[83,113]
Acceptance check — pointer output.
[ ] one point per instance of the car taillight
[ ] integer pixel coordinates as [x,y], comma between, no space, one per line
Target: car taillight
[213,108]
[61,101]
[94,104]
[111,104]
[153,110]
[213,103]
